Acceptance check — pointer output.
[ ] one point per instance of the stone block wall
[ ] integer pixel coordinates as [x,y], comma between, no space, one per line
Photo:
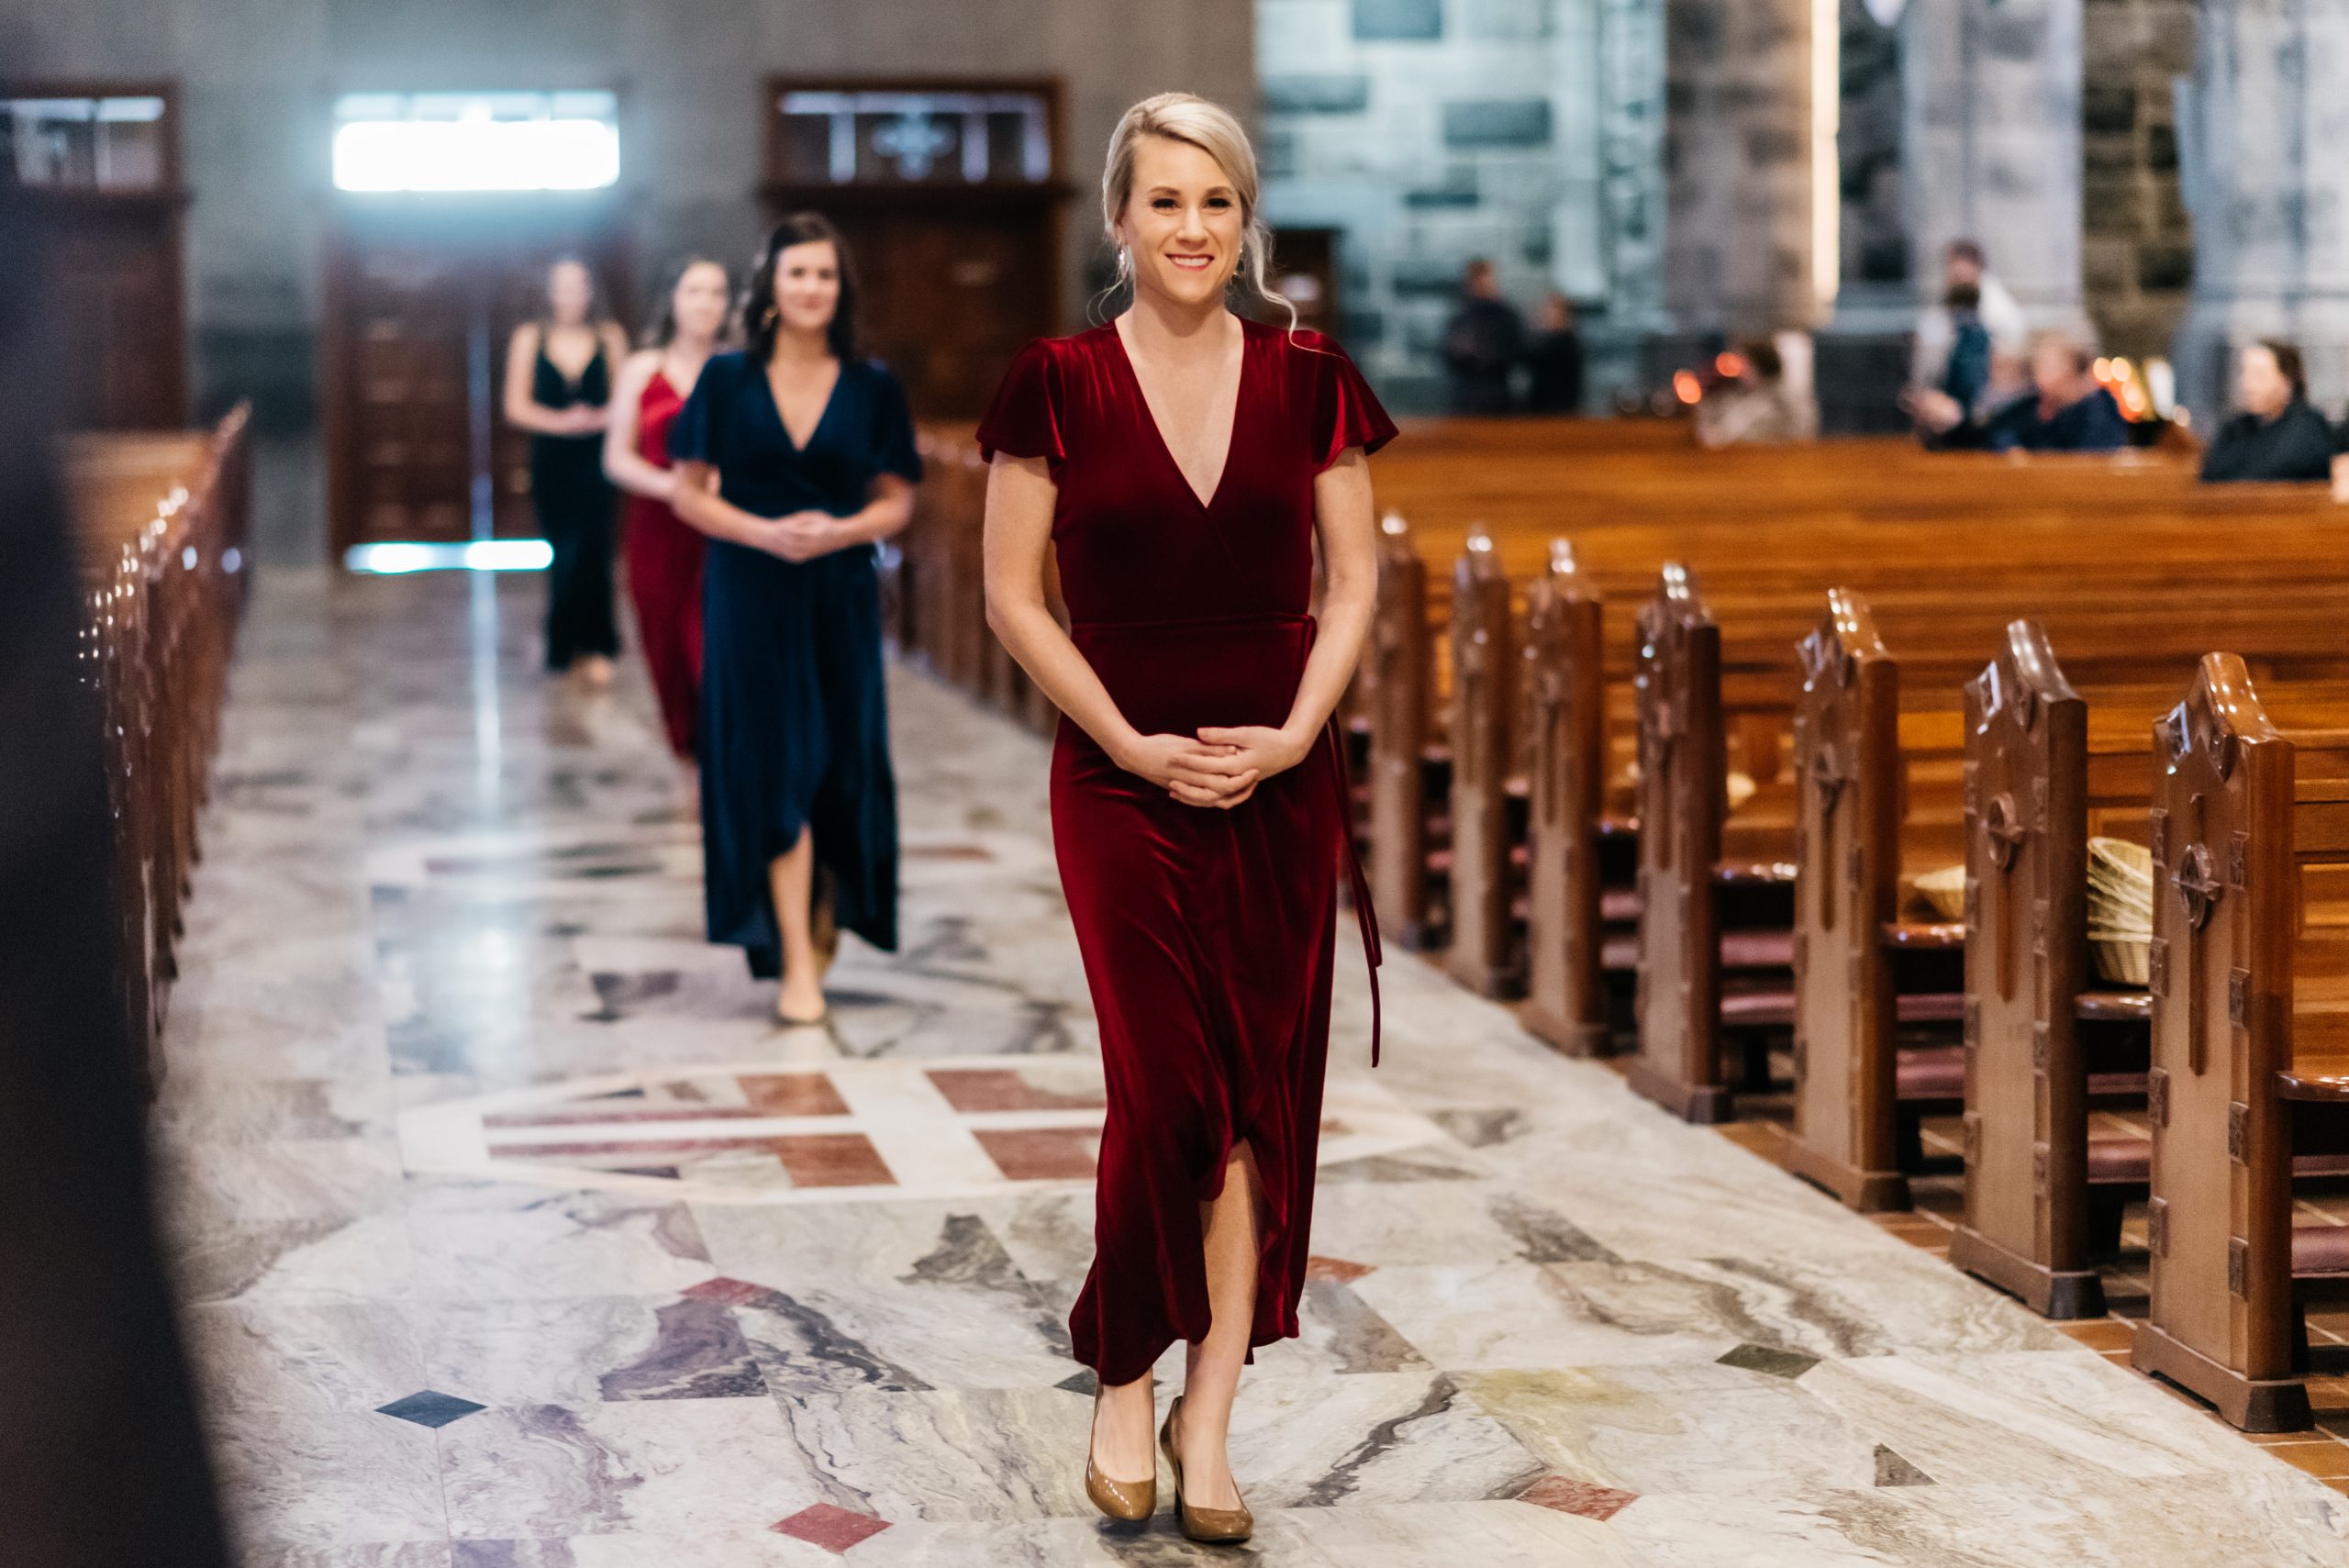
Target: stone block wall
[2137,246]
[1428,132]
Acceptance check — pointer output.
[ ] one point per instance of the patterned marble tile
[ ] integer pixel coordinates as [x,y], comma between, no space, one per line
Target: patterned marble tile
[320,1479]
[670,1466]
[580,1350]
[486,1242]
[298,1355]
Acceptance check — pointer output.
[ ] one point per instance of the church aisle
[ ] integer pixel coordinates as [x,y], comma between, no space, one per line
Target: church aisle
[516,1236]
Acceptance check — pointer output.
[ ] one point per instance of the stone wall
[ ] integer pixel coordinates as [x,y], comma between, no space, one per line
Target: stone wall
[1738,165]
[2137,252]
[1431,131]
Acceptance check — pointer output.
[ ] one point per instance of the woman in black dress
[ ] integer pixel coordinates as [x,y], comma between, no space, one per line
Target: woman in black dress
[559,387]
[796,458]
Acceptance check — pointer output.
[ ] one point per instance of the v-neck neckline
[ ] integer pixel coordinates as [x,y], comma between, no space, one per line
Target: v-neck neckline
[1231,438]
[798,446]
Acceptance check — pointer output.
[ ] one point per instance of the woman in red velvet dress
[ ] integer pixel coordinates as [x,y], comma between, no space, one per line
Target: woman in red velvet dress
[664,555]
[1183,461]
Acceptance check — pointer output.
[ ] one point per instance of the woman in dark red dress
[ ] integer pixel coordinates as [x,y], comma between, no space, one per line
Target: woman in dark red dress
[664,555]
[1182,461]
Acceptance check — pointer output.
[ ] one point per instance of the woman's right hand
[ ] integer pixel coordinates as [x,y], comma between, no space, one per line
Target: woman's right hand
[1190,771]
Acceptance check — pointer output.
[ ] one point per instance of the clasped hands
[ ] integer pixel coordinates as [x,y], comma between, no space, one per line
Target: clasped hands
[1217,768]
[804,536]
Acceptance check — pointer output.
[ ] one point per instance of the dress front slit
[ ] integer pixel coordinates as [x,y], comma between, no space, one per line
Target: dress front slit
[1208,935]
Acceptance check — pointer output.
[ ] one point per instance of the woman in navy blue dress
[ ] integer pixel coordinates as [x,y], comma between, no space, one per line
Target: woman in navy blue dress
[796,458]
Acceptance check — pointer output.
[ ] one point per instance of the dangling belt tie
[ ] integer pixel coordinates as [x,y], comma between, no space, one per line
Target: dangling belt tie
[1357,881]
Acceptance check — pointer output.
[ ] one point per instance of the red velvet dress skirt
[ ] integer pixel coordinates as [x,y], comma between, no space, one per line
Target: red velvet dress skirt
[665,559]
[1207,935]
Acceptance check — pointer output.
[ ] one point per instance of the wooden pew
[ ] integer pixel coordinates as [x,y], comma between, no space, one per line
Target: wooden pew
[1487,785]
[160,520]
[2250,1041]
[1567,827]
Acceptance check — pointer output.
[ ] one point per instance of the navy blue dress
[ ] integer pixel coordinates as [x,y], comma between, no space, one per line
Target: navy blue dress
[795,727]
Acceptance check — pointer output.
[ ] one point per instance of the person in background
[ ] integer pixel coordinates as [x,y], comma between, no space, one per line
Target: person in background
[1554,357]
[1481,343]
[796,456]
[2276,435]
[559,388]
[1963,267]
[665,555]
[1756,407]
[2066,410]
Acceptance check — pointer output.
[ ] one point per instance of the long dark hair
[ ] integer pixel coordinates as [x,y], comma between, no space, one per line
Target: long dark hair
[758,296]
[662,330]
[2289,362]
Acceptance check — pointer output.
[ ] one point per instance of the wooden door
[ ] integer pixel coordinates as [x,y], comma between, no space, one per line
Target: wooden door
[99,164]
[951,293]
[420,299]
[948,193]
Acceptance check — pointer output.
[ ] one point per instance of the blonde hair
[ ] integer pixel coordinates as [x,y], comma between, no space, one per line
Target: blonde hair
[1214,130]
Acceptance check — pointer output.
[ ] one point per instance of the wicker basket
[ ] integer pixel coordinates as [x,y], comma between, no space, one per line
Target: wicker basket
[2122,960]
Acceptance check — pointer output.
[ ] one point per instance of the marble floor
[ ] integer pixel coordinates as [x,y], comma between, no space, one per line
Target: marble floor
[513,1234]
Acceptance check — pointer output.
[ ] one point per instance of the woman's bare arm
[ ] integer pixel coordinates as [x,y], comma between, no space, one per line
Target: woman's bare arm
[623,465]
[1020,495]
[1342,516]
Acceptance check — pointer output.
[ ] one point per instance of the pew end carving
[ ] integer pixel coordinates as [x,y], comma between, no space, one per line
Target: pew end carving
[1567,997]
[1682,790]
[2225,922]
[2026,1227]
[1399,681]
[1486,673]
[1847,855]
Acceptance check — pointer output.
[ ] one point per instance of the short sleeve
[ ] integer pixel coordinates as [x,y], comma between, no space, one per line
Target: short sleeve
[1025,417]
[693,437]
[894,450]
[1345,412]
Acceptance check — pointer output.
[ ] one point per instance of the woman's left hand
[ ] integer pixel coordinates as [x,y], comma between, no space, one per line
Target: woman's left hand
[804,536]
[1265,749]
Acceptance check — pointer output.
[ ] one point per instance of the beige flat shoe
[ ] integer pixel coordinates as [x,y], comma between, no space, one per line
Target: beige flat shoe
[1213,1527]
[1128,1502]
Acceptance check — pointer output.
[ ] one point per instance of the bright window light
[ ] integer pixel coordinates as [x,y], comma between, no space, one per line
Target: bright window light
[480,142]
[480,555]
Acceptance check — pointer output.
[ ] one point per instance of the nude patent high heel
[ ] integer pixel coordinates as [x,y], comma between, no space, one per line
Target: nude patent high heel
[1129,1502]
[1211,1526]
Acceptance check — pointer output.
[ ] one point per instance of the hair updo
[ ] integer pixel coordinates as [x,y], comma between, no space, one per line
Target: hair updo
[1214,130]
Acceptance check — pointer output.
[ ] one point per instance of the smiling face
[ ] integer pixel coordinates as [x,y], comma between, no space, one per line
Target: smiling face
[807,286]
[1183,225]
[571,292]
[698,303]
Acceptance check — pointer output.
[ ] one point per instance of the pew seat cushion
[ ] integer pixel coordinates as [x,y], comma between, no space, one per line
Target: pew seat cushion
[1740,950]
[2321,1251]
[1930,935]
[1936,1073]
[1930,1006]
[2119,1161]
[1618,905]
[2118,1007]
[1758,1009]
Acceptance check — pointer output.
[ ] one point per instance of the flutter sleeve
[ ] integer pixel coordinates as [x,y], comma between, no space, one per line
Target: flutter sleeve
[693,437]
[1025,417]
[894,450]
[1345,412]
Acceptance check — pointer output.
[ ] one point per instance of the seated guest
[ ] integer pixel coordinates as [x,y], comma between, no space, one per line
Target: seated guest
[1758,407]
[1555,356]
[2065,410]
[1481,343]
[2276,435]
